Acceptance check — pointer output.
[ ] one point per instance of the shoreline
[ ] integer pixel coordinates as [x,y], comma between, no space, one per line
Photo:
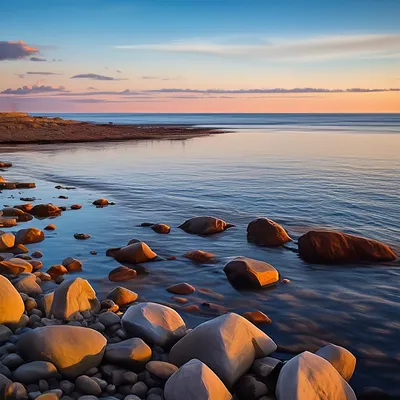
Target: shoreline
[20,128]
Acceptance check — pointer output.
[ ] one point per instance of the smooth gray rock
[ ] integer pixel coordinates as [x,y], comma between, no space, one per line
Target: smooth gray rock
[34,371]
[87,385]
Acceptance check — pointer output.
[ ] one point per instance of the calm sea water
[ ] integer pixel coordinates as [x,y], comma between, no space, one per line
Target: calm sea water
[303,171]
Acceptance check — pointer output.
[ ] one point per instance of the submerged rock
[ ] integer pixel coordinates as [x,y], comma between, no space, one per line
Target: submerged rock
[45,210]
[204,225]
[161,228]
[81,236]
[257,317]
[265,232]
[11,304]
[134,253]
[121,274]
[122,296]
[181,288]
[101,202]
[336,247]
[199,256]
[29,235]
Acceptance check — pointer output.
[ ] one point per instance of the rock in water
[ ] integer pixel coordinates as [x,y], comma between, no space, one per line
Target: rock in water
[227,344]
[72,297]
[265,232]
[205,225]
[246,272]
[72,264]
[310,377]
[122,296]
[73,350]
[161,228]
[195,380]
[29,235]
[332,247]
[121,274]
[134,253]
[154,323]
[200,256]
[11,303]
[15,266]
[7,241]
[343,361]
[45,210]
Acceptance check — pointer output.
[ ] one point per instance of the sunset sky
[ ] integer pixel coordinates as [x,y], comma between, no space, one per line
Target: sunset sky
[200,56]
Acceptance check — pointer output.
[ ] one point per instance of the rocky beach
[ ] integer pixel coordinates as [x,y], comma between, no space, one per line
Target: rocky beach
[60,339]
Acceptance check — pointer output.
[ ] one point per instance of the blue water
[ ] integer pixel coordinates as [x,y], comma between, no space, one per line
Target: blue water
[304,171]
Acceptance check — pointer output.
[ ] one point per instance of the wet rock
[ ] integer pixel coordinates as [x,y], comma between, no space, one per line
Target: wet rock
[34,371]
[246,272]
[265,232]
[343,361]
[285,280]
[7,241]
[154,323]
[109,318]
[37,254]
[73,297]
[181,288]
[330,247]
[93,252]
[26,283]
[62,197]
[122,296]
[121,274]
[4,164]
[181,300]
[161,369]
[161,228]
[263,367]
[14,391]
[101,202]
[12,361]
[191,308]
[72,264]
[227,344]
[19,249]
[257,317]
[5,333]
[73,350]
[249,388]
[50,227]
[15,266]
[19,214]
[81,236]
[45,210]
[76,206]
[134,253]
[87,385]
[195,380]
[36,265]
[310,377]
[204,225]
[25,207]
[200,256]
[29,235]
[57,270]
[7,222]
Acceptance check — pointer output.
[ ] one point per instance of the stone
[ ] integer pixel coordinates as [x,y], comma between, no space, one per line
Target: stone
[30,303]
[67,387]
[310,377]
[36,264]
[228,344]
[76,206]
[72,264]
[343,361]
[45,210]
[87,385]
[205,225]
[29,235]
[7,241]
[154,323]
[161,369]
[101,202]
[5,333]
[26,283]
[161,228]
[34,371]
[200,256]
[330,247]
[15,266]
[122,296]
[11,304]
[250,388]
[49,396]
[263,367]
[14,391]
[81,236]
[195,380]
[109,318]
[131,353]
[19,214]
[12,361]
[57,270]
[134,253]
[257,317]
[50,227]
[44,303]
[265,232]
[4,381]
[72,297]
[121,274]
[7,222]
[246,272]
[181,288]
[139,389]
[73,350]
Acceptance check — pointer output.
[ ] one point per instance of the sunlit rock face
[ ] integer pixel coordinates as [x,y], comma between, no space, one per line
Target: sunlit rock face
[200,256]
[11,304]
[7,241]
[73,350]
[154,323]
[45,210]
[265,232]
[335,247]
[134,253]
[195,380]
[204,225]
[246,272]
[227,344]
[310,377]
[15,266]
[29,235]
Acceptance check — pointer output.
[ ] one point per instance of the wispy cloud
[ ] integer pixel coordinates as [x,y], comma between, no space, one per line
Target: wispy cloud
[35,89]
[96,77]
[15,50]
[346,46]
[21,76]
[158,78]
[42,73]
[91,88]
[38,59]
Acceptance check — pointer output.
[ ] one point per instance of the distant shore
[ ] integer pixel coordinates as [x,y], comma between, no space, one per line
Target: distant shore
[21,128]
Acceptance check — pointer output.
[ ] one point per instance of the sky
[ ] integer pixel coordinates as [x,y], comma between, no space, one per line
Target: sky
[200,56]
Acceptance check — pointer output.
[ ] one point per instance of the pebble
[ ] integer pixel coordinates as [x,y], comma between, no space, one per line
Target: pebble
[37,254]
[181,288]
[161,369]
[87,385]
[50,227]
[139,389]
[257,317]
[81,236]
[76,206]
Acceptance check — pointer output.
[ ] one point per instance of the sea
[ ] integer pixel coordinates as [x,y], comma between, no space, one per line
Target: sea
[304,171]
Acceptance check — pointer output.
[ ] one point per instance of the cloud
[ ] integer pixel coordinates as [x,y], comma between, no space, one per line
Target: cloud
[15,50]
[42,73]
[119,71]
[158,78]
[345,46]
[96,77]
[33,90]
[38,59]
[91,88]
[21,76]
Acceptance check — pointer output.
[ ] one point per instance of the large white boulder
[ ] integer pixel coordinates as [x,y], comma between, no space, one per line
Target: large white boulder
[195,381]
[227,344]
[204,225]
[310,377]
[11,304]
[72,297]
[72,349]
[154,323]
[340,358]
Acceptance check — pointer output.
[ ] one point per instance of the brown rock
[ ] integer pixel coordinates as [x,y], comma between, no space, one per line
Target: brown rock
[257,317]
[200,256]
[76,206]
[29,235]
[265,232]
[18,249]
[72,264]
[7,241]
[37,254]
[134,253]
[45,210]
[11,304]
[50,227]
[122,296]
[15,266]
[121,274]
[25,207]
[81,236]
[161,228]
[36,264]
[101,202]
[181,288]
[181,300]
[20,215]
[191,308]
[57,270]
[205,225]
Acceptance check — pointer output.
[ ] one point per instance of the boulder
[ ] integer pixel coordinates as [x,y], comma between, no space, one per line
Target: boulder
[199,256]
[11,303]
[121,274]
[134,253]
[45,210]
[109,318]
[131,353]
[330,247]
[195,380]
[19,214]
[50,227]
[44,303]
[227,344]
[57,270]
[161,369]
[122,296]
[343,361]
[243,271]
[73,297]
[265,232]
[310,377]
[101,202]
[7,241]
[204,225]
[26,283]
[161,228]
[73,350]
[29,235]
[34,371]
[154,323]
[263,367]
[15,266]
[72,264]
